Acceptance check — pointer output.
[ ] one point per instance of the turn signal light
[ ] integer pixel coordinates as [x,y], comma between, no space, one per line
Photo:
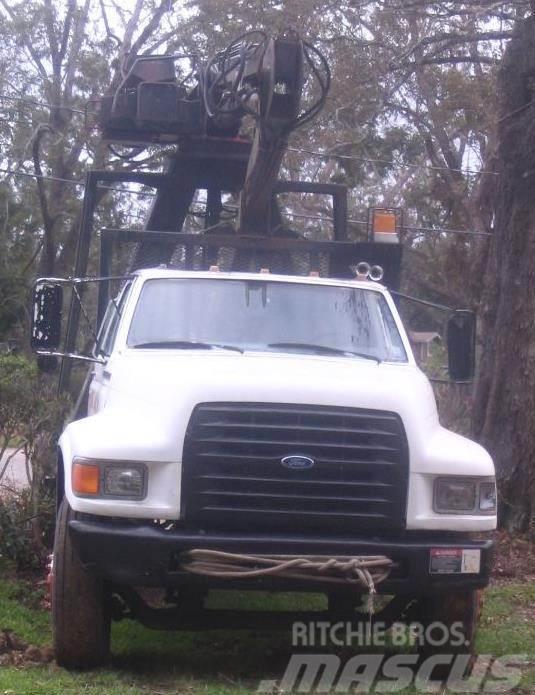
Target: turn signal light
[85,479]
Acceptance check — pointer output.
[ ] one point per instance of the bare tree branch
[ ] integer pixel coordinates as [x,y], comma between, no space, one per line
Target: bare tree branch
[71,9]
[109,32]
[48,220]
[27,43]
[152,25]
[129,33]
[76,44]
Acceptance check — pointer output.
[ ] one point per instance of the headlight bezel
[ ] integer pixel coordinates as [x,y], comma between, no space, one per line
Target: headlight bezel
[105,466]
[477,485]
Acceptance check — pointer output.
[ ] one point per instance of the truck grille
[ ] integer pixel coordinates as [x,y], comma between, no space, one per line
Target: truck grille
[233,476]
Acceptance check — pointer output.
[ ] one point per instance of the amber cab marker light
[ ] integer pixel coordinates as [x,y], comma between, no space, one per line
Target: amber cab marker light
[85,479]
[384,222]
[384,225]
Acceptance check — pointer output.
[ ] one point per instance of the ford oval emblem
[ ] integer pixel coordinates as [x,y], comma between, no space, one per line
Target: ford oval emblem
[297,463]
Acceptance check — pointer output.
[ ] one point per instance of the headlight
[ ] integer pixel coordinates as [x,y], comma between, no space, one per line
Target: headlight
[464,496]
[487,497]
[109,479]
[455,495]
[126,480]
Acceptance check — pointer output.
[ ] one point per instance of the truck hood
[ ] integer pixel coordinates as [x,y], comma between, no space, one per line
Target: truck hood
[149,398]
[167,380]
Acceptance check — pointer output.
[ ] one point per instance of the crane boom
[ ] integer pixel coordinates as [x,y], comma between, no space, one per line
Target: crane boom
[257,77]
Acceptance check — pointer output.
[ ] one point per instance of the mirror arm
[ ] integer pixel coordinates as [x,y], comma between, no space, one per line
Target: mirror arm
[78,281]
[441,307]
[71,355]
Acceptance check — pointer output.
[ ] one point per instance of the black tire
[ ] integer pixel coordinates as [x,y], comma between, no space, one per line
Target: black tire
[80,605]
[459,609]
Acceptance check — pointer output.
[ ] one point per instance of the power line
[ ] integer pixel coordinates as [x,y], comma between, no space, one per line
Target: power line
[36,102]
[72,182]
[471,232]
[13,172]
[15,121]
[398,165]
[405,228]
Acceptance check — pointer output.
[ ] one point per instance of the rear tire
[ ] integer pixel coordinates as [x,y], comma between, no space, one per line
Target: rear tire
[80,605]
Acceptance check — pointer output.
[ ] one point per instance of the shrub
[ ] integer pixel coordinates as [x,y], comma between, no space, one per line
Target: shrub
[30,416]
[26,533]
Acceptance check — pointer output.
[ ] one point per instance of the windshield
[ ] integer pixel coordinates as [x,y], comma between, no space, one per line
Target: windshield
[266,316]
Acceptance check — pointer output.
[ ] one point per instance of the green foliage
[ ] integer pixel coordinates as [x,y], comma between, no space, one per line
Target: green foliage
[26,528]
[28,407]
[19,399]
[30,416]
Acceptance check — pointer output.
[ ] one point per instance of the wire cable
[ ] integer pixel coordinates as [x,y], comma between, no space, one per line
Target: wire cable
[151,194]
[35,102]
[397,165]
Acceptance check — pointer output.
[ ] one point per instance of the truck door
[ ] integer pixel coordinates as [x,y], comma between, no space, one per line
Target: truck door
[101,375]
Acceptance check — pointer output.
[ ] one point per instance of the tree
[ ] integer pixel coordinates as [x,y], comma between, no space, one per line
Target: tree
[505,395]
[408,123]
[55,59]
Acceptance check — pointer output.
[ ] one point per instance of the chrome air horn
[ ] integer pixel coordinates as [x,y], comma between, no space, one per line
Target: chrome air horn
[365,271]
[362,270]
[376,273]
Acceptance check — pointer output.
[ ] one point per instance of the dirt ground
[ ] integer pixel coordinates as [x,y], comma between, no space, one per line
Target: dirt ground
[515,558]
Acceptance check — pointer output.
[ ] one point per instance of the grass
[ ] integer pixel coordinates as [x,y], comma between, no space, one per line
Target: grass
[218,662]
[20,612]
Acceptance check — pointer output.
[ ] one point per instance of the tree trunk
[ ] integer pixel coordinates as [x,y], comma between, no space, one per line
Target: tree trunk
[504,413]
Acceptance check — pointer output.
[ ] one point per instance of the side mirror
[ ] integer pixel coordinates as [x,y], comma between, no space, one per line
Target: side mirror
[46,316]
[461,339]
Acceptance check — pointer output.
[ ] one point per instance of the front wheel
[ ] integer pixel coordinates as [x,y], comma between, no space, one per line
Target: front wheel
[450,622]
[80,605]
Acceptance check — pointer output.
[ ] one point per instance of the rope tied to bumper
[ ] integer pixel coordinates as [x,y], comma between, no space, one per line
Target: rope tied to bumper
[365,571]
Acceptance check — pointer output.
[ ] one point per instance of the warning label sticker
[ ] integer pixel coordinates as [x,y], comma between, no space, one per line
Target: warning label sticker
[454,561]
[446,561]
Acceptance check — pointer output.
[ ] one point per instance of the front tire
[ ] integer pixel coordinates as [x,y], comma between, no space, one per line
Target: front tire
[80,605]
[458,614]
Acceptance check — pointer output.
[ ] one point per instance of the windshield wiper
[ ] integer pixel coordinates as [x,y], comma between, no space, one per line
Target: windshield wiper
[186,345]
[324,349]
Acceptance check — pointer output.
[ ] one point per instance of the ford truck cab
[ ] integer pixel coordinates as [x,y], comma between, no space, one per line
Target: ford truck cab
[261,415]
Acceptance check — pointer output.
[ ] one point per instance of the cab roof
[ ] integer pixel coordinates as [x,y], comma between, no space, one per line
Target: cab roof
[162,273]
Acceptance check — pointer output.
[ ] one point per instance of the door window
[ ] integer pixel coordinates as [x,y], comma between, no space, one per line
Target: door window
[110,323]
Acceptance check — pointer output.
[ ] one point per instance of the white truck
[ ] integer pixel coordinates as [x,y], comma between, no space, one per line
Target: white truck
[249,430]
[260,415]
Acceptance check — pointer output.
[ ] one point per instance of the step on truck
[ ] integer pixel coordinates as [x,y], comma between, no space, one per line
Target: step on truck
[253,417]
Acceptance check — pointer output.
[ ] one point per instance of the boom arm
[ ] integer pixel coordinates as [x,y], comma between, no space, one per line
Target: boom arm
[256,76]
